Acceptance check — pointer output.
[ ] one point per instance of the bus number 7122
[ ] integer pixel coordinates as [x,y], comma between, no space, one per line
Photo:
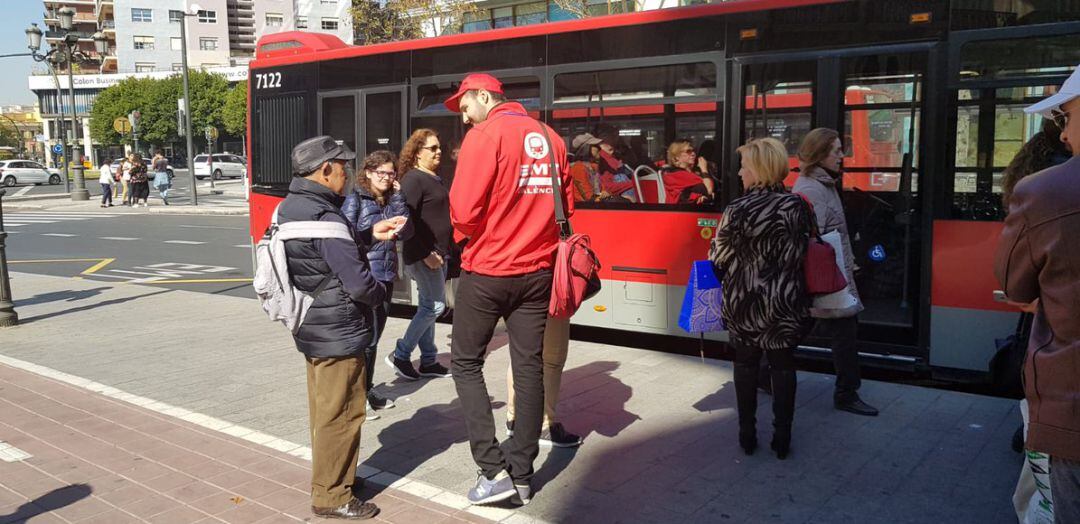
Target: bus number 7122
[267,80]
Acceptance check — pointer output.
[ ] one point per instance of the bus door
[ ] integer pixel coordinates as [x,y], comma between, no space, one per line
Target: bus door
[365,119]
[873,97]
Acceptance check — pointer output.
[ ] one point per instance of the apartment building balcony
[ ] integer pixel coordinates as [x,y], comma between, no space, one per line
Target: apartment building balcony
[72,3]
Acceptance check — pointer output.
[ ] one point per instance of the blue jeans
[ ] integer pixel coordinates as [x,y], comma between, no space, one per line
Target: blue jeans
[430,284]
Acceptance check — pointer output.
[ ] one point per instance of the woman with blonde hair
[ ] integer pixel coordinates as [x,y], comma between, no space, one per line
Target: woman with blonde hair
[684,180]
[819,181]
[425,253]
[759,249]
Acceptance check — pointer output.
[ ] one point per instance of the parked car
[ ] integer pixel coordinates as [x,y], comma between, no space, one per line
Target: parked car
[225,165]
[13,172]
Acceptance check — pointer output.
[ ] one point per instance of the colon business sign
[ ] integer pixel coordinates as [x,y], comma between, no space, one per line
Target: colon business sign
[45,82]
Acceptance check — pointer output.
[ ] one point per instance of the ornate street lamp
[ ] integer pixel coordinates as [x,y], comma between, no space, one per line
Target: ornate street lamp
[68,52]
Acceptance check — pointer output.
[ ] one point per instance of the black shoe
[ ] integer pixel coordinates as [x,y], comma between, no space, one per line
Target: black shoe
[403,368]
[165,201]
[555,435]
[509,428]
[434,370]
[858,407]
[352,510]
[748,442]
[377,401]
[781,444]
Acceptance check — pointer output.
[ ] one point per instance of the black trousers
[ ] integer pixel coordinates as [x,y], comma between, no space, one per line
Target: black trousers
[522,301]
[382,312]
[782,373]
[842,332]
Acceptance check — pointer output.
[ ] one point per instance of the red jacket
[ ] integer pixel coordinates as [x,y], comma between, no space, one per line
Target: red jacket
[501,199]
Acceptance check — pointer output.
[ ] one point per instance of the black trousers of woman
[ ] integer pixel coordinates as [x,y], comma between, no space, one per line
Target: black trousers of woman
[382,311]
[782,373]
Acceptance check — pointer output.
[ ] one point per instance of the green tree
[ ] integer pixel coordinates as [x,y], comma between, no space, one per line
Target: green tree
[234,114]
[378,21]
[155,99]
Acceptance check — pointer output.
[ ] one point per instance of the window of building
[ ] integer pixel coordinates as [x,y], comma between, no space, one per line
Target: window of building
[330,24]
[175,43]
[503,17]
[478,21]
[141,67]
[178,68]
[141,15]
[176,16]
[143,42]
[533,13]
[208,44]
[301,22]
[208,17]
[274,19]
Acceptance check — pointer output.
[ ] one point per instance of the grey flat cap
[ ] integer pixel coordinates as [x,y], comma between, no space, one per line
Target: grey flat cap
[308,155]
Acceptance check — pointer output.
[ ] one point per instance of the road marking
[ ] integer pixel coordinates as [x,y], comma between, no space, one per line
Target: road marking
[245,246]
[213,227]
[23,191]
[170,272]
[65,235]
[202,281]
[9,453]
[99,265]
[118,238]
[188,242]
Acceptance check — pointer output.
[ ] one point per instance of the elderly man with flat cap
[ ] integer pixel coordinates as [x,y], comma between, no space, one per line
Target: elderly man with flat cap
[339,324]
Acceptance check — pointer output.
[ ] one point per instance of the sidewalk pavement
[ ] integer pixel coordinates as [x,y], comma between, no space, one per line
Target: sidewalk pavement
[660,429]
[73,455]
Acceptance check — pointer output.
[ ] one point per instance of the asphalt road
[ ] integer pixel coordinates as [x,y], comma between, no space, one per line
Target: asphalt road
[209,254]
[181,183]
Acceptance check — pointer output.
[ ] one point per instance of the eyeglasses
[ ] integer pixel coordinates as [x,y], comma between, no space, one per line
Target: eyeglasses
[1060,118]
[384,174]
[433,148]
[688,151]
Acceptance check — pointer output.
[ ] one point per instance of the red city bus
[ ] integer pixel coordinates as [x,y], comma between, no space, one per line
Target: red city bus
[923,230]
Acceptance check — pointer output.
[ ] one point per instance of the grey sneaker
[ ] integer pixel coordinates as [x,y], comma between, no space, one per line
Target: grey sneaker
[524,494]
[488,491]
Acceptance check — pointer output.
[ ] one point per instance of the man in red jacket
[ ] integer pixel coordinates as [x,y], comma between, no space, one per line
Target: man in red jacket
[502,201]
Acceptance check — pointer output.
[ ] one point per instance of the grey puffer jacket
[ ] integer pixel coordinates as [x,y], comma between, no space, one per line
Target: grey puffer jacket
[819,187]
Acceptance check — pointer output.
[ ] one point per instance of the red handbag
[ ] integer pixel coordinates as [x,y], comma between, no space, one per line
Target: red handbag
[822,274]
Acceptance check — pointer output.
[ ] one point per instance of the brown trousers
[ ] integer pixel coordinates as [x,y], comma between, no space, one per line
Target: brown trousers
[556,346]
[336,406]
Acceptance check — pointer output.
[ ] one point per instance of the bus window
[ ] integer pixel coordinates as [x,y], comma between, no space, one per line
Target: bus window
[878,111]
[991,130]
[338,117]
[430,97]
[779,103]
[640,83]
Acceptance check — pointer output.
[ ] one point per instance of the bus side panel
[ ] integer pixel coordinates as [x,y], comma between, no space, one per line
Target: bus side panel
[964,318]
[261,208]
[646,258]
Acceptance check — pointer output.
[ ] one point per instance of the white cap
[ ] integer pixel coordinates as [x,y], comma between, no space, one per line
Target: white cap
[1069,90]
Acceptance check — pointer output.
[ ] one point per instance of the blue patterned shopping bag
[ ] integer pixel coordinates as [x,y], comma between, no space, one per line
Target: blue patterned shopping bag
[701,305]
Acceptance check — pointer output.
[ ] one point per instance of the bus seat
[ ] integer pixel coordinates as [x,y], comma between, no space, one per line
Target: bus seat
[649,185]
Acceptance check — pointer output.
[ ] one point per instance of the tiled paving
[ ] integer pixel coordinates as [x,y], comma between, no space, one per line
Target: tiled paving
[83,457]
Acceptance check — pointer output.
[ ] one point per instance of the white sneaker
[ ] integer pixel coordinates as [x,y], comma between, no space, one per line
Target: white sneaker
[370,413]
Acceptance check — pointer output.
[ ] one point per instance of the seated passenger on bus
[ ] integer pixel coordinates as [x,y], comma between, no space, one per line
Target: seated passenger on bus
[684,182]
[616,177]
[584,171]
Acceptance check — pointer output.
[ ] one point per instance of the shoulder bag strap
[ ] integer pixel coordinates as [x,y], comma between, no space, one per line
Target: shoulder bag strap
[556,187]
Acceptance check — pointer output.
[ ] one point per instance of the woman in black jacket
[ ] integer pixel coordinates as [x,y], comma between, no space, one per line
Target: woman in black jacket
[759,249]
[378,197]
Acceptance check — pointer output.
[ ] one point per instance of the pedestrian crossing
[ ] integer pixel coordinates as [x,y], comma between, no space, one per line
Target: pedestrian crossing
[30,218]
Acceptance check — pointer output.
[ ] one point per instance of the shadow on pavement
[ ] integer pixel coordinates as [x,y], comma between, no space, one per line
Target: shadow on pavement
[56,296]
[612,417]
[90,306]
[50,501]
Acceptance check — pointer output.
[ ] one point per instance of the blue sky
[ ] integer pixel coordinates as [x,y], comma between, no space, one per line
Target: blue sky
[17,16]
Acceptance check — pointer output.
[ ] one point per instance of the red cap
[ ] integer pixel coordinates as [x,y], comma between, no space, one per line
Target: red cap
[473,82]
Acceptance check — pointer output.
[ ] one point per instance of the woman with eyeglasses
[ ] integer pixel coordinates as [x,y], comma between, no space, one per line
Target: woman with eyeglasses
[684,179]
[377,197]
[425,253]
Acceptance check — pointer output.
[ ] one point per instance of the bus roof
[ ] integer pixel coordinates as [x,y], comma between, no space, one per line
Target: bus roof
[297,46]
